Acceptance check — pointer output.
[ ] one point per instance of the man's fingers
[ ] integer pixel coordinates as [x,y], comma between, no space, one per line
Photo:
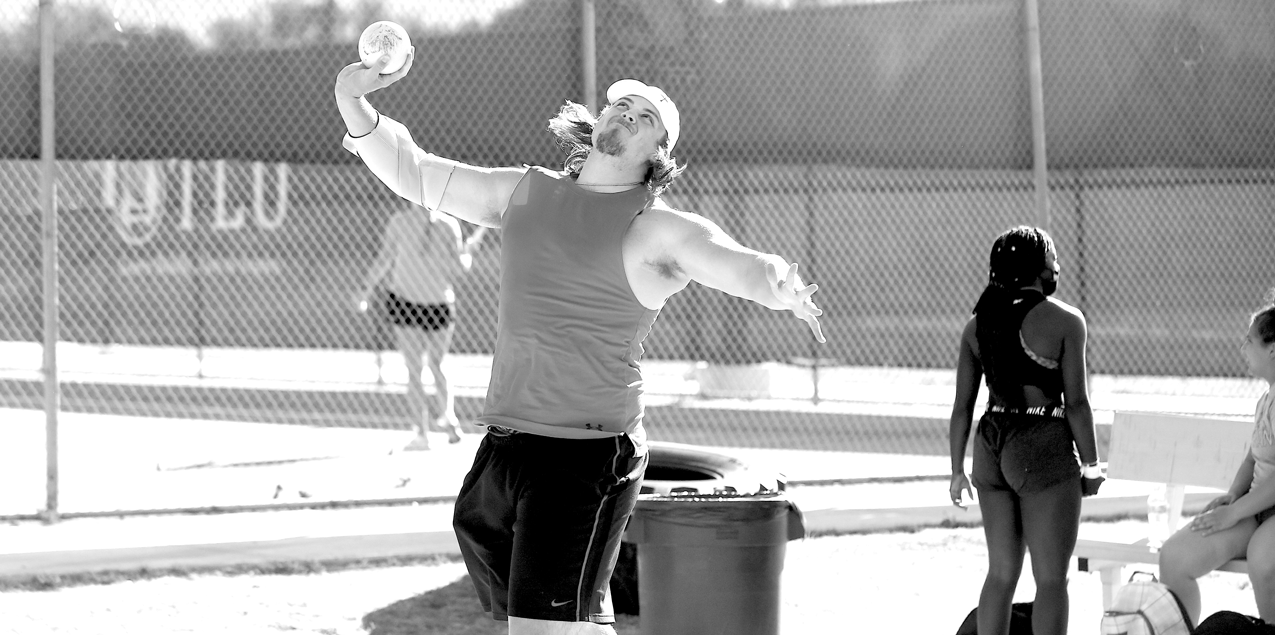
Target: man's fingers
[407,66]
[772,274]
[358,80]
[803,307]
[352,68]
[815,328]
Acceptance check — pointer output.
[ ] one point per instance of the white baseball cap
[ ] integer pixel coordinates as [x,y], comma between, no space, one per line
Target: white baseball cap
[663,105]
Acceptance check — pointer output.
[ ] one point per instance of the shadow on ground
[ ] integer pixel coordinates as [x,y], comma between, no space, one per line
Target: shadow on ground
[450,610]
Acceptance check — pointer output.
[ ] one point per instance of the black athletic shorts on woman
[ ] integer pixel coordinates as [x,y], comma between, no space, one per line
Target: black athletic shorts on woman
[539,521]
[429,317]
[1023,453]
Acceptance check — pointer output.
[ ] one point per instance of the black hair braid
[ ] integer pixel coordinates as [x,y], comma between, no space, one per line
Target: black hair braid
[1017,257]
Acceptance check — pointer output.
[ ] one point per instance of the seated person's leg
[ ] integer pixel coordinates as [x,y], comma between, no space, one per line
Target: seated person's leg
[1188,554]
[1261,568]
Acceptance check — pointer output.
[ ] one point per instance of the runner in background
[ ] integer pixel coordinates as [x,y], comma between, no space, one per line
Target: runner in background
[420,258]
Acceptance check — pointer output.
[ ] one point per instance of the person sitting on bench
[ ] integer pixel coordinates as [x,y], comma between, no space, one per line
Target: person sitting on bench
[1237,523]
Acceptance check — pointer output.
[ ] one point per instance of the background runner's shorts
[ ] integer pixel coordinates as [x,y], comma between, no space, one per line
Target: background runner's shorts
[430,317]
[539,521]
[1023,453]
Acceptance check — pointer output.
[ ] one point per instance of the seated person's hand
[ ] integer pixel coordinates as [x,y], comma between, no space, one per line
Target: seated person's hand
[1220,518]
[1225,499]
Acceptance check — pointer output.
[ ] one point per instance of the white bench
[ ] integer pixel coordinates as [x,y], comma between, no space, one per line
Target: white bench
[1178,451]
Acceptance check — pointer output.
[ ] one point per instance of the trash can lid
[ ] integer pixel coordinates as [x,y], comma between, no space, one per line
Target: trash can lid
[654,512]
[691,495]
[744,482]
[685,470]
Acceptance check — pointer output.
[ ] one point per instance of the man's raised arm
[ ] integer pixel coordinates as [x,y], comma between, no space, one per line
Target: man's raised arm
[474,194]
[711,257]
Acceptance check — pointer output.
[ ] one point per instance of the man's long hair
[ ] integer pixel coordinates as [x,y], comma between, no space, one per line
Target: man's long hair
[1018,256]
[573,128]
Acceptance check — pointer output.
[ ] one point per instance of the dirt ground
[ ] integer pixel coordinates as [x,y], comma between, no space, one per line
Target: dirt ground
[923,582]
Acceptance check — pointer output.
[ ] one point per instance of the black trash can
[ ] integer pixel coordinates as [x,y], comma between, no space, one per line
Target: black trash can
[712,563]
[679,468]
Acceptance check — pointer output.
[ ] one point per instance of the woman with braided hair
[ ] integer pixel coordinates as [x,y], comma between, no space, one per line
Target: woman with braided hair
[1031,348]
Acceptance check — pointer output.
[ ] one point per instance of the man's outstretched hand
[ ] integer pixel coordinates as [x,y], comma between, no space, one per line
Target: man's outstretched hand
[357,80]
[795,296]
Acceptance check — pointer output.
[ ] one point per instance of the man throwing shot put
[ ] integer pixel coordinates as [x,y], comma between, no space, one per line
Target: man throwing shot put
[589,257]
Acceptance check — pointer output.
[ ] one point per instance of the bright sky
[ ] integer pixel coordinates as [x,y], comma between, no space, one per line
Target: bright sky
[195,16]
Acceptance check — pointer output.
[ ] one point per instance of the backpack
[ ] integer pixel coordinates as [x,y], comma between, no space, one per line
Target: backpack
[1020,621]
[1145,608]
[1232,623]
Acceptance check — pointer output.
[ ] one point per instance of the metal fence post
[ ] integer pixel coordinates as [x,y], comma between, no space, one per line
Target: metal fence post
[589,54]
[1039,158]
[49,240]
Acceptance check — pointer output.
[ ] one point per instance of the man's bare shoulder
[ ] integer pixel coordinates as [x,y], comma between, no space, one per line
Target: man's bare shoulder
[503,172]
[670,219]
[557,175]
[661,206]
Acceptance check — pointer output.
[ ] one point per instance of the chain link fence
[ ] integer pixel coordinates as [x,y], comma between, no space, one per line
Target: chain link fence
[212,232]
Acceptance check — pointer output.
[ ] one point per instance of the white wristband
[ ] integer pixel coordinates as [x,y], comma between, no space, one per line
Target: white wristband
[1091,471]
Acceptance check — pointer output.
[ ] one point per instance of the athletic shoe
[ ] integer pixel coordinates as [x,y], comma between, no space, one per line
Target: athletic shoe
[449,425]
[420,442]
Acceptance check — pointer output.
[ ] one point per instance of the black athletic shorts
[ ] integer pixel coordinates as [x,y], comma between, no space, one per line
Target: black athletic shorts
[1264,515]
[1023,453]
[430,317]
[539,521]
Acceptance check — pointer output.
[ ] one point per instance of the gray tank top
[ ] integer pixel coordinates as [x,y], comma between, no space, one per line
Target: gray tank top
[570,332]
